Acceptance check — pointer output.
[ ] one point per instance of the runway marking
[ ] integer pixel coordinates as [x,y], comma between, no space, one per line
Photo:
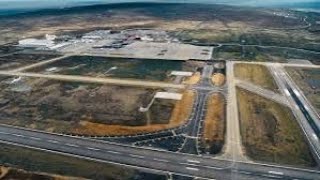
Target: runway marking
[315,136]
[136,156]
[94,149]
[53,141]
[113,152]
[161,160]
[245,172]
[35,138]
[275,172]
[192,169]
[193,161]
[307,108]
[18,135]
[199,165]
[297,92]
[72,145]
[287,92]
[271,176]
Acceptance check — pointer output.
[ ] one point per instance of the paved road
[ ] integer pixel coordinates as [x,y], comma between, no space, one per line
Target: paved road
[41,63]
[193,129]
[86,79]
[282,64]
[233,145]
[182,164]
[282,81]
[263,92]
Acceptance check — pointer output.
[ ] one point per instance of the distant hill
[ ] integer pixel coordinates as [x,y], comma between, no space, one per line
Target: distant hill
[96,5]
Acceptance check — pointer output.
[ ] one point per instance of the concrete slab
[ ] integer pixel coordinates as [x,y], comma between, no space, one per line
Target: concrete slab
[168,95]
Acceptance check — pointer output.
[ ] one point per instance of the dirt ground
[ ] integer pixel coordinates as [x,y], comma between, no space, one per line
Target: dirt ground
[309,82]
[218,79]
[214,127]
[194,79]
[270,132]
[257,74]
[180,114]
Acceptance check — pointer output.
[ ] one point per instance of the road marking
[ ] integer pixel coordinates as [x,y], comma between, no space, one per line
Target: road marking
[307,108]
[192,169]
[193,161]
[315,136]
[72,145]
[161,160]
[94,149]
[18,135]
[113,152]
[53,141]
[35,138]
[271,176]
[136,156]
[275,172]
[296,92]
[287,92]
[4,133]
[245,172]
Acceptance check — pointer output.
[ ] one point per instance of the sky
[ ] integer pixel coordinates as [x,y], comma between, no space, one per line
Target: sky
[35,4]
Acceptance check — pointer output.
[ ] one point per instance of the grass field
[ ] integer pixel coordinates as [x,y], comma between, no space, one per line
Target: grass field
[37,161]
[214,126]
[270,132]
[256,74]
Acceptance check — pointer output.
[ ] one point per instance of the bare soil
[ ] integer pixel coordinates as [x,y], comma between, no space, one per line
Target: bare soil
[270,132]
[194,79]
[218,79]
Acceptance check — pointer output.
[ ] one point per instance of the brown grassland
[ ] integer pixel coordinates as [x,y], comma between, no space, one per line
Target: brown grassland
[257,74]
[214,126]
[179,116]
[270,132]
